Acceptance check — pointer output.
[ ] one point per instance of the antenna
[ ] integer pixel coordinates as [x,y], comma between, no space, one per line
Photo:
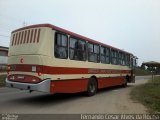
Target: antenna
[24,24]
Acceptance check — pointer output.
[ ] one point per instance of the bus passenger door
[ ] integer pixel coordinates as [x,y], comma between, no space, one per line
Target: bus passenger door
[133,66]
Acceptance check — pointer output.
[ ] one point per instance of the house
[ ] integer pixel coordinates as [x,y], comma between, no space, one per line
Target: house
[3,58]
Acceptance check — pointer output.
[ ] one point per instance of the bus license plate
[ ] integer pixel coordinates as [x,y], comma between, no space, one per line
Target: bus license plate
[20,77]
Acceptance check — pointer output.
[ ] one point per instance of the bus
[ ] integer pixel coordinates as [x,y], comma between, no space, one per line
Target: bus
[47,58]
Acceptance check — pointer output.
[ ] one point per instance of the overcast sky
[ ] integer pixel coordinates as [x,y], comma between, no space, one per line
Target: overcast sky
[131,25]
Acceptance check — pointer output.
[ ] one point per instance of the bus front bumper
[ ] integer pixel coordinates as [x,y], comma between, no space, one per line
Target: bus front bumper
[43,86]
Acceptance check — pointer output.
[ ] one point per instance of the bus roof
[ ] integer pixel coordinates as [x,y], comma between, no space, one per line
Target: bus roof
[70,33]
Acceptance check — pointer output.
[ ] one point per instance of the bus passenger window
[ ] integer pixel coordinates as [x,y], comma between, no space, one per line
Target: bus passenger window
[77,49]
[105,55]
[61,46]
[123,59]
[120,58]
[127,59]
[93,53]
[114,57]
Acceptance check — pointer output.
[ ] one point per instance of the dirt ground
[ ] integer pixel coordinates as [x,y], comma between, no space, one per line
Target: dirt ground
[111,100]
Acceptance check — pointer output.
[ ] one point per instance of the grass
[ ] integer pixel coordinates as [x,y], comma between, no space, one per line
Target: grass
[148,94]
[141,72]
[2,80]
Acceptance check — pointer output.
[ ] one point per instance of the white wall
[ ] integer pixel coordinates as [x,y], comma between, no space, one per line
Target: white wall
[3,59]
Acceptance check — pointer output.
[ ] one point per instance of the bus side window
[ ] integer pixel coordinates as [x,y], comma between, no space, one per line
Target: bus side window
[61,46]
[105,55]
[123,59]
[120,58]
[77,49]
[93,53]
[114,57]
[127,59]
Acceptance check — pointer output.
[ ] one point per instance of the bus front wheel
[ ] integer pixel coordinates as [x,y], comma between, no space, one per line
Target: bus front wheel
[92,87]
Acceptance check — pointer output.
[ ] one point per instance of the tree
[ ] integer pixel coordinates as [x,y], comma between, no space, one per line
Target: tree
[143,67]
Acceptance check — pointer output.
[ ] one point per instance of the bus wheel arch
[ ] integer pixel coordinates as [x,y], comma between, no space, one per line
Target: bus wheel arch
[92,86]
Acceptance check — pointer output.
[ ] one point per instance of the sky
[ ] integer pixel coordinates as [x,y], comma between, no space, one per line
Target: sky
[131,25]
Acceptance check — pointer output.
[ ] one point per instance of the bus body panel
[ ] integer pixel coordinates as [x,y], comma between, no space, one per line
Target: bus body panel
[43,86]
[79,85]
[40,43]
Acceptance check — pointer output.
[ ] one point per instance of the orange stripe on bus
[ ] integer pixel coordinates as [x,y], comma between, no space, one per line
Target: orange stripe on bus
[66,70]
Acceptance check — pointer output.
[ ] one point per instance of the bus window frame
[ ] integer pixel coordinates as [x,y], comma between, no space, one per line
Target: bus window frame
[55,37]
[114,57]
[106,56]
[127,59]
[94,44]
[120,58]
[69,48]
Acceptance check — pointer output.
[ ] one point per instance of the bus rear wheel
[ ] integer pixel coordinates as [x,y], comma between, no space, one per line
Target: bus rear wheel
[92,87]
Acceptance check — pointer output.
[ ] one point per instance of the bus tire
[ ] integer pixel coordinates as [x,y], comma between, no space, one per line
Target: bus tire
[91,87]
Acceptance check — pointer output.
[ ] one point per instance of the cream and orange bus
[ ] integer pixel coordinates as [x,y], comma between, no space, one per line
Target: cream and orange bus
[47,58]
